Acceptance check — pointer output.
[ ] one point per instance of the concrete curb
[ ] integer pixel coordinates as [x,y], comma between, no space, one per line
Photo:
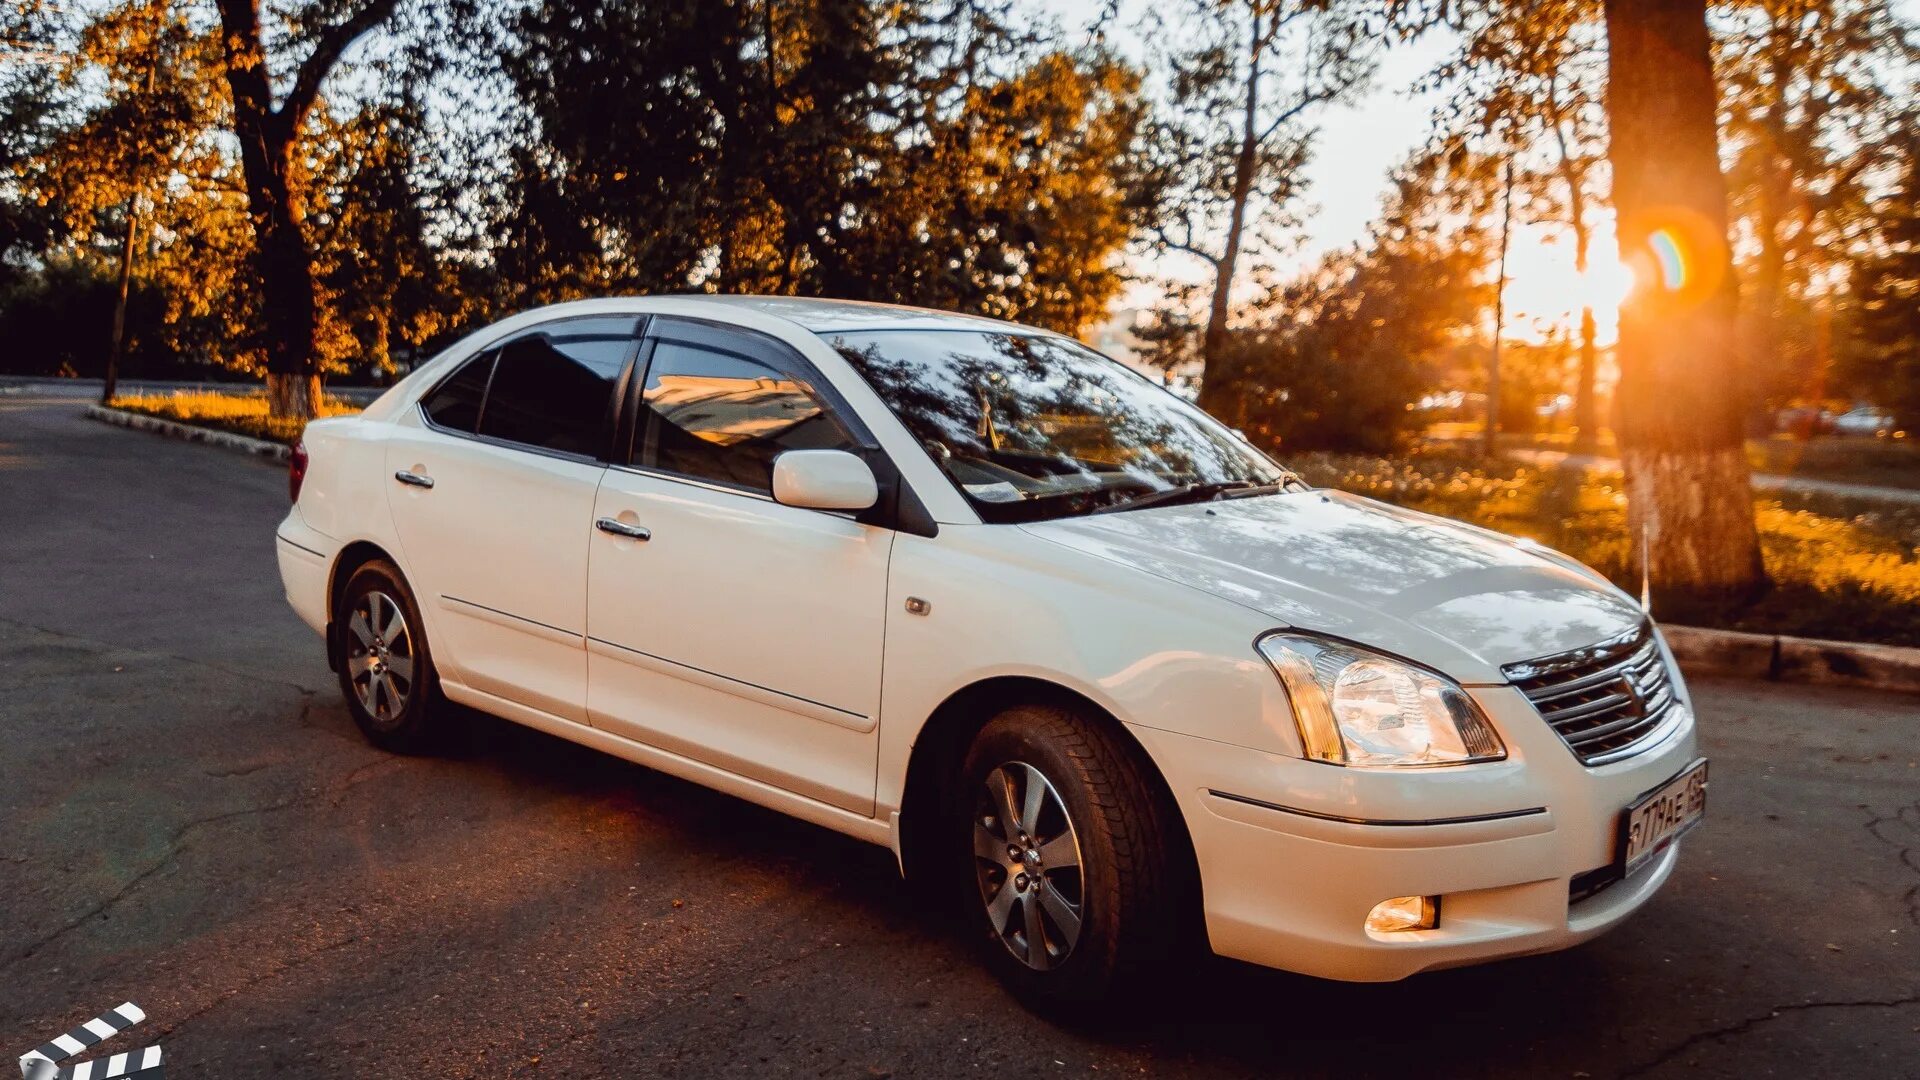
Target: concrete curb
[1781,658]
[173,429]
[1700,651]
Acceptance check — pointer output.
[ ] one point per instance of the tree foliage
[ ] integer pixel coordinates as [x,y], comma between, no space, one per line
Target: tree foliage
[834,147]
[1815,105]
[1338,357]
[1886,295]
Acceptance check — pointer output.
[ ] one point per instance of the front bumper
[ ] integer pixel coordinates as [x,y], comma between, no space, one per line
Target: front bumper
[1293,854]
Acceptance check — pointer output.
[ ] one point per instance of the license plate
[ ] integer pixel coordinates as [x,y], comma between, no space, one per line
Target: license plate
[1662,815]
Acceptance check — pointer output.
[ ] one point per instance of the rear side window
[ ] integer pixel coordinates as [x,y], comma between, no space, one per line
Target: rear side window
[455,404]
[723,417]
[553,388]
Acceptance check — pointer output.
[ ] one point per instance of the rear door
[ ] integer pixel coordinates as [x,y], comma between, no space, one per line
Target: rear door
[492,491]
[722,625]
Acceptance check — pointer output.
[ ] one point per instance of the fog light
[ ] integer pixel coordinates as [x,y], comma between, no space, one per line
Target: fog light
[1404,913]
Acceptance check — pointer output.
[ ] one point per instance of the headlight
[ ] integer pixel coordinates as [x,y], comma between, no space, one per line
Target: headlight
[1356,707]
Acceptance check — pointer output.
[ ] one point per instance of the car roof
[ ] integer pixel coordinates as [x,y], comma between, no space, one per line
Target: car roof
[829,316]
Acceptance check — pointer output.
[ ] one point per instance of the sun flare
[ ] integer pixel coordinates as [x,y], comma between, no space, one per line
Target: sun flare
[1545,293]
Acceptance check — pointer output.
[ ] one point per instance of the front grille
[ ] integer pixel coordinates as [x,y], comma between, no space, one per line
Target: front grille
[1605,700]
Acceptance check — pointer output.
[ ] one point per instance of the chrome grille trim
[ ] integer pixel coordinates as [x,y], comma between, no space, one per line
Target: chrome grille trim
[1607,701]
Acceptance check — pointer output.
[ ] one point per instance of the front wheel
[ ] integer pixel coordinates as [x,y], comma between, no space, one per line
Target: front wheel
[385,666]
[1077,859]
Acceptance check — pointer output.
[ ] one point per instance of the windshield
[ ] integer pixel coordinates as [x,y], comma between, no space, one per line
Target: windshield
[1031,426]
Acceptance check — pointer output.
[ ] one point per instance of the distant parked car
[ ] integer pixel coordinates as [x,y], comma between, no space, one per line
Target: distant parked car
[1804,421]
[1089,664]
[1865,420]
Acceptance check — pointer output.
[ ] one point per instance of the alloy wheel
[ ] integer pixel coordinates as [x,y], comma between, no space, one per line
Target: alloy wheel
[1027,861]
[380,656]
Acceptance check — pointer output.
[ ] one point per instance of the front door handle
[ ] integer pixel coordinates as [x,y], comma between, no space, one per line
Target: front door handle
[621,528]
[414,478]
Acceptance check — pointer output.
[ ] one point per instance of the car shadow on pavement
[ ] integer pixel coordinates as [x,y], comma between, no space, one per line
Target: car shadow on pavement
[1215,1014]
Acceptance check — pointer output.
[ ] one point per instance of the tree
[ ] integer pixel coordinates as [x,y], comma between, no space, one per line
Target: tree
[122,159]
[1018,180]
[385,291]
[1337,357]
[1528,75]
[1679,403]
[1816,102]
[1239,131]
[919,153]
[267,132]
[1886,295]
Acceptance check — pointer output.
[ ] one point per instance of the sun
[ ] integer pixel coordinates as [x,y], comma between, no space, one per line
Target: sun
[1545,293]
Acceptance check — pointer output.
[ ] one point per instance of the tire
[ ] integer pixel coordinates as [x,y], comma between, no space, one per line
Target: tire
[386,665]
[1127,884]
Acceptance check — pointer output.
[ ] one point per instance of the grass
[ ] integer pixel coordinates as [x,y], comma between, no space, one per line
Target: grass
[1843,568]
[242,414]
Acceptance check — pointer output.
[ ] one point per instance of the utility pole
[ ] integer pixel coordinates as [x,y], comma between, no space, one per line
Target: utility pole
[109,384]
[1499,308]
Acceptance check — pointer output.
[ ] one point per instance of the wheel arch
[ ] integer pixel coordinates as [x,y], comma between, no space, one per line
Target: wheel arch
[352,557]
[943,740]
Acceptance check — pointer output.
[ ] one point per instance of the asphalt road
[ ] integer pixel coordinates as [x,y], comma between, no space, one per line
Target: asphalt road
[189,820]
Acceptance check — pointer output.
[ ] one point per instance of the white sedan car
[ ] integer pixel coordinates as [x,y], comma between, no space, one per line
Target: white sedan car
[1087,662]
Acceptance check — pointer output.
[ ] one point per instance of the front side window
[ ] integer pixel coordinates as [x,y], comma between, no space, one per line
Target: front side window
[553,388]
[723,417]
[1031,426]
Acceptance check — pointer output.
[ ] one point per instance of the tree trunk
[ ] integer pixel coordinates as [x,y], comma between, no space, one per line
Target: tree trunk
[292,307]
[1586,411]
[293,395]
[1679,406]
[1219,387]
[289,301]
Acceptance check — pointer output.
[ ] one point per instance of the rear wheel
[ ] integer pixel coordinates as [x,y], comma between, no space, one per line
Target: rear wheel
[385,666]
[1076,861]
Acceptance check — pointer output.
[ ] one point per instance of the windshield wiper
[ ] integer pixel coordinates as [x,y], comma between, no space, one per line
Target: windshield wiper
[1203,492]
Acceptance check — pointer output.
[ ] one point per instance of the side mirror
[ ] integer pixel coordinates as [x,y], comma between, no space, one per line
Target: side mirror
[824,480]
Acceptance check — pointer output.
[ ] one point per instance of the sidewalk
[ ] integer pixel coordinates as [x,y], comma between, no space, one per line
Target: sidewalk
[90,388]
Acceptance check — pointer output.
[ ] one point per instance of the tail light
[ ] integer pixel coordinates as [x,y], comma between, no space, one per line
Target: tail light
[296,470]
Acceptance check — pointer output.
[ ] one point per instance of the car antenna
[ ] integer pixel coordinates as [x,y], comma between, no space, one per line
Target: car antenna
[1646,571]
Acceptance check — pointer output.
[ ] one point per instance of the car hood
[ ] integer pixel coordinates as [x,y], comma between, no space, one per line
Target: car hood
[1454,597]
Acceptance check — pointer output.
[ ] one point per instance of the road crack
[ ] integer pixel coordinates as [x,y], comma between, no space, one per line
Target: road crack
[1750,1023]
[178,845]
[1901,830]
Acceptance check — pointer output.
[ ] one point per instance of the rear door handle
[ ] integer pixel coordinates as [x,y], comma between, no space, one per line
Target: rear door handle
[413,478]
[621,528]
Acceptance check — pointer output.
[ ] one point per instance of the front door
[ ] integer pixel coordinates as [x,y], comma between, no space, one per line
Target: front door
[722,625]
[494,479]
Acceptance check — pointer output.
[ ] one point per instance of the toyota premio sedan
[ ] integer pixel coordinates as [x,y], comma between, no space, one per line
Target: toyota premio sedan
[1088,663]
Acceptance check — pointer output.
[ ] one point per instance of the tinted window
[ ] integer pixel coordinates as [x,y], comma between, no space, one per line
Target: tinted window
[1032,426]
[722,417]
[456,403]
[554,388]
